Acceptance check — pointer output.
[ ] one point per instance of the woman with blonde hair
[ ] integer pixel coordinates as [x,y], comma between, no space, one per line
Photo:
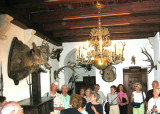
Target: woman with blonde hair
[138,97]
[154,102]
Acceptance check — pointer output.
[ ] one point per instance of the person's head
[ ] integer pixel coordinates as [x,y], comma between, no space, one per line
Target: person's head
[88,91]
[2,101]
[84,102]
[94,96]
[96,87]
[82,91]
[64,89]
[156,92]
[121,88]
[76,101]
[137,86]
[12,108]
[113,89]
[54,86]
[155,84]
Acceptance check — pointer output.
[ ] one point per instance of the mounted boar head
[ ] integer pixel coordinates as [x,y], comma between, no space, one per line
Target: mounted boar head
[23,61]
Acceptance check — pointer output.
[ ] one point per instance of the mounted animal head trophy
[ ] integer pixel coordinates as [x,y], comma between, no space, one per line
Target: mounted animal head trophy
[54,54]
[149,59]
[109,74]
[23,61]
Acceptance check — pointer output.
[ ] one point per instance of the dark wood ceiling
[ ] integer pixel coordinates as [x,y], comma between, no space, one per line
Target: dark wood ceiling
[71,20]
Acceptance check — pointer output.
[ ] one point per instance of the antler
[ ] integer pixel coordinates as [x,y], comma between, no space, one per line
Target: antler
[70,66]
[152,66]
[123,44]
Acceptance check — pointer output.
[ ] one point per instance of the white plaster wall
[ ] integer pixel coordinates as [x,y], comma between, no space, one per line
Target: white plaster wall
[11,91]
[157,56]
[68,55]
[21,91]
[45,77]
[133,47]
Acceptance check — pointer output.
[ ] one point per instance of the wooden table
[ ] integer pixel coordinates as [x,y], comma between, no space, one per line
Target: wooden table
[42,106]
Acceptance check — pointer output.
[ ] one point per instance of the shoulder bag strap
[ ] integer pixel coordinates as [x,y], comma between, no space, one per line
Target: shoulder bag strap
[142,97]
[114,98]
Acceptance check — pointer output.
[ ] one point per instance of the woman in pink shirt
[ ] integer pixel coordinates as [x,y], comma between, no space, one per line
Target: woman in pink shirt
[123,99]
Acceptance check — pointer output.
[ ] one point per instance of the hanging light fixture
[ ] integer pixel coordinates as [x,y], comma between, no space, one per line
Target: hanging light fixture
[99,51]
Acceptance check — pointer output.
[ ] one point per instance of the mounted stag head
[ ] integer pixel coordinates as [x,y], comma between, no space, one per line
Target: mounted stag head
[149,59]
[70,66]
[54,54]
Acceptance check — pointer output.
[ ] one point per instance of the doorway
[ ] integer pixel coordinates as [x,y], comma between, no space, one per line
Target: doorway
[130,76]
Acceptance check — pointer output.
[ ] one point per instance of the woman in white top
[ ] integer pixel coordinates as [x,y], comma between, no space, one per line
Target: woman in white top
[138,97]
[154,102]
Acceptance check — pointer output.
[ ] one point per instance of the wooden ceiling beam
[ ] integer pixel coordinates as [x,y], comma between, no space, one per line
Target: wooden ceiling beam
[91,12]
[113,37]
[35,3]
[90,23]
[117,29]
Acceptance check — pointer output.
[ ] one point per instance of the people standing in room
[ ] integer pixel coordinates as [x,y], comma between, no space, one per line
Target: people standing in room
[94,107]
[64,96]
[75,104]
[154,102]
[57,101]
[88,94]
[112,99]
[102,98]
[82,92]
[3,101]
[123,99]
[81,109]
[12,107]
[138,96]
[149,94]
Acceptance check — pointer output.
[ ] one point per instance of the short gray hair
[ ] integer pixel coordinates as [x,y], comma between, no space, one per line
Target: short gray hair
[96,95]
[64,86]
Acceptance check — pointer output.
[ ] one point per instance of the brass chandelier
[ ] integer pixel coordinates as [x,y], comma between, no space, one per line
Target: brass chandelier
[99,51]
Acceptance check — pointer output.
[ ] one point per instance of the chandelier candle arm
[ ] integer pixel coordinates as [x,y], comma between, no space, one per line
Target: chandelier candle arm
[98,51]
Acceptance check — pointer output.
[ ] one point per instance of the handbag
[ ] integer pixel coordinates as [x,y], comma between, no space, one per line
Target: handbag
[124,100]
[137,105]
[107,106]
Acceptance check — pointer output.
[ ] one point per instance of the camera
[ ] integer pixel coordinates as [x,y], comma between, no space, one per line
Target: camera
[154,106]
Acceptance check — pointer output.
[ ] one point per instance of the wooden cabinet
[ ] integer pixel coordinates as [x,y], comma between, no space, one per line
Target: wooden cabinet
[42,106]
[132,75]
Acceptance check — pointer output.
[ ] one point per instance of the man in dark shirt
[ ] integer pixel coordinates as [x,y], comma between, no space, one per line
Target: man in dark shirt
[149,94]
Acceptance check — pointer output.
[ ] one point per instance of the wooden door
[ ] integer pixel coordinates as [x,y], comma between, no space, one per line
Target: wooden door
[132,75]
[88,82]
